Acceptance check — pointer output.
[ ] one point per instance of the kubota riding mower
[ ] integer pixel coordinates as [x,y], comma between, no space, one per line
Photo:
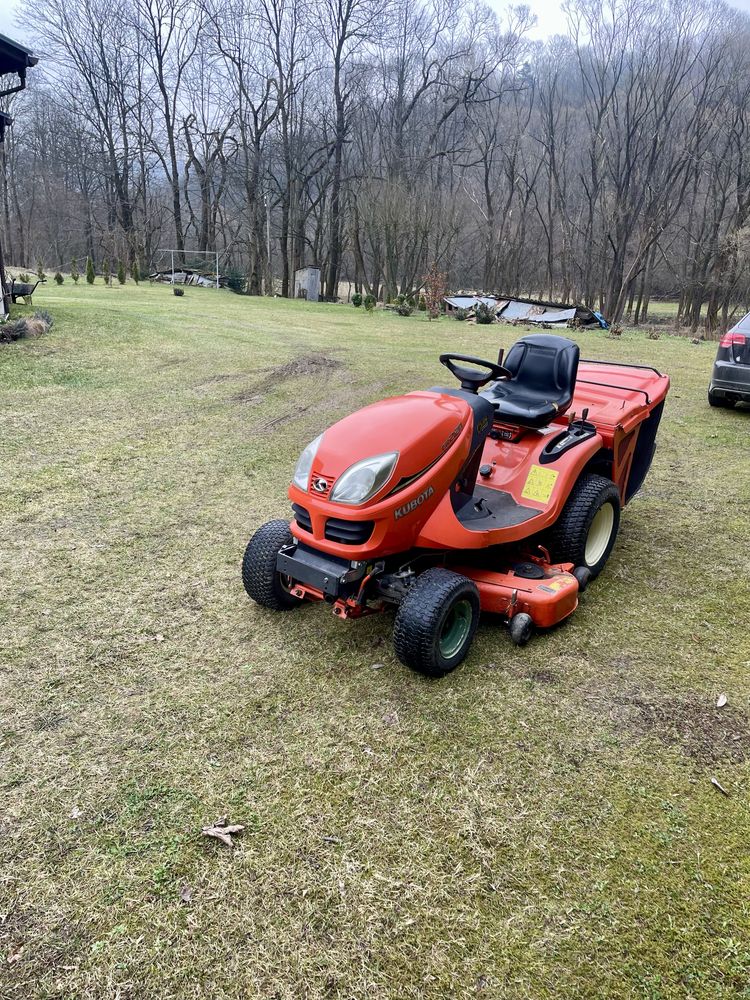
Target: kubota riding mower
[449,501]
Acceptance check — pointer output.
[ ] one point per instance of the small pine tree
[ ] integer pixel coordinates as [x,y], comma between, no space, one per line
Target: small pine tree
[74,273]
[135,272]
[59,278]
[121,272]
[40,269]
[106,271]
[485,313]
[370,302]
[90,272]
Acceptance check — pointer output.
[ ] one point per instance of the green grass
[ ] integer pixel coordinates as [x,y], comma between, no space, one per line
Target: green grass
[540,824]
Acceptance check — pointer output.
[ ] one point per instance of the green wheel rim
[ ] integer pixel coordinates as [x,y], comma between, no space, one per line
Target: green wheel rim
[456,628]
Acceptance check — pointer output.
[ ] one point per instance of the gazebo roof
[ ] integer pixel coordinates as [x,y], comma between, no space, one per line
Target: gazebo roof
[15,58]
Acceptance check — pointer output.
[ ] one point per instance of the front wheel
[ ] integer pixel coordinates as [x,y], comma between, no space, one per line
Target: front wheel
[586,530]
[436,622]
[263,583]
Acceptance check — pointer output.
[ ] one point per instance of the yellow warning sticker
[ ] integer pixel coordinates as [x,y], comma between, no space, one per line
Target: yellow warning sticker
[539,484]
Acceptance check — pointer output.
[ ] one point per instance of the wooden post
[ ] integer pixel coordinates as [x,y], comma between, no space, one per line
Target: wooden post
[4,294]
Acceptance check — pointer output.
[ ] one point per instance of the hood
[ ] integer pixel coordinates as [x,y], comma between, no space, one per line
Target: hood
[420,426]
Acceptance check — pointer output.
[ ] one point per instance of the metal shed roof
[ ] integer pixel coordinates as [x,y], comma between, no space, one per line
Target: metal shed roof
[469,301]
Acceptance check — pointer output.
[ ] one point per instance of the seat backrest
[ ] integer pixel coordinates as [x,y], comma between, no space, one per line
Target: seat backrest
[545,364]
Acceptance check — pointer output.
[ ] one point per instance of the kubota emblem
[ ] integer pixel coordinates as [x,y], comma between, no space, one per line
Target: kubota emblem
[413,504]
[320,485]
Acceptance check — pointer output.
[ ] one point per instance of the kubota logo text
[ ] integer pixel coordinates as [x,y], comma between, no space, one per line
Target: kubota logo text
[413,504]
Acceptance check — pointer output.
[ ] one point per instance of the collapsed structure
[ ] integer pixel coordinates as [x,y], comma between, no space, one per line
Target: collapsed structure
[190,276]
[537,311]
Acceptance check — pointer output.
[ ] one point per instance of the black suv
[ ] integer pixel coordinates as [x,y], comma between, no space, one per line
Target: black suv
[730,379]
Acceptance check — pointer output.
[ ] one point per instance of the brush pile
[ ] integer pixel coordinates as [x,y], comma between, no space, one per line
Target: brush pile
[27,326]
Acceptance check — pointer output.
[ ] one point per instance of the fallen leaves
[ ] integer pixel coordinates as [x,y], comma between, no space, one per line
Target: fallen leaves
[223,830]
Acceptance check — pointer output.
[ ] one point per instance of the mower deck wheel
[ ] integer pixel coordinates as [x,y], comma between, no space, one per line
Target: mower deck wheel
[261,580]
[436,621]
[521,628]
[586,530]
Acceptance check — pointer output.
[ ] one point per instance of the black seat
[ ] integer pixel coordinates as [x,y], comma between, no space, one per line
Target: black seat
[544,369]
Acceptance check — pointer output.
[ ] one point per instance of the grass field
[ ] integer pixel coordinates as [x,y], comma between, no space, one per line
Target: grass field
[540,824]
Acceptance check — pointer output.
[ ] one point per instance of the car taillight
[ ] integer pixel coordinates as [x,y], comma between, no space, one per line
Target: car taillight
[730,339]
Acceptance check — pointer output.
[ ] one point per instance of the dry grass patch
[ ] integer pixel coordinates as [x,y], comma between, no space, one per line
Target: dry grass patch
[540,824]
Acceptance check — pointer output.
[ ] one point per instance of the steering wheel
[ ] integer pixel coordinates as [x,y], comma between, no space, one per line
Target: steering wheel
[471,380]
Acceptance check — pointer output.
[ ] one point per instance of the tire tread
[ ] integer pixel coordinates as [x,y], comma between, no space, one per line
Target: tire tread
[415,631]
[567,537]
[259,575]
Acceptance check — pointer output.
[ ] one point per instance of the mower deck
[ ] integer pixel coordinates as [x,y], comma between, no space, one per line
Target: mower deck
[547,598]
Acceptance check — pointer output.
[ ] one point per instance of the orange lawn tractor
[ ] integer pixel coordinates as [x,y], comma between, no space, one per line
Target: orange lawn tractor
[450,501]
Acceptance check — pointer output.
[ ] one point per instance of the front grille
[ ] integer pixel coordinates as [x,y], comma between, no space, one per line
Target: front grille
[302,517]
[317,481]
[348,532]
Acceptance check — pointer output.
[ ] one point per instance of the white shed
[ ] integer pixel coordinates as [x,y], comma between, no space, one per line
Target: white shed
[307,283]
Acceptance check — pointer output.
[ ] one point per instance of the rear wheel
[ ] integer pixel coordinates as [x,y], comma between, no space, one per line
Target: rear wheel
[585,532]
[262,582]
[722,401]
[436,622]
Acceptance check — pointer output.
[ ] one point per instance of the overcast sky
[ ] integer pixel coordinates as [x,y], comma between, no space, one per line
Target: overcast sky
[550,19]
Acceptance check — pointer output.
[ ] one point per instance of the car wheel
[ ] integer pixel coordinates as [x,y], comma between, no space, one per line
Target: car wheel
[720,401]
[436,622]
[261,580]
[586,530]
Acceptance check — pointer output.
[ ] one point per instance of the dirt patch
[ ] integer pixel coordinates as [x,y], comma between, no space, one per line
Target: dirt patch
[303,366]
[543,677]
[706,734]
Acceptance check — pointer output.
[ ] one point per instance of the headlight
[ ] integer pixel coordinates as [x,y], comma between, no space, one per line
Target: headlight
[363,479]
[304,464]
